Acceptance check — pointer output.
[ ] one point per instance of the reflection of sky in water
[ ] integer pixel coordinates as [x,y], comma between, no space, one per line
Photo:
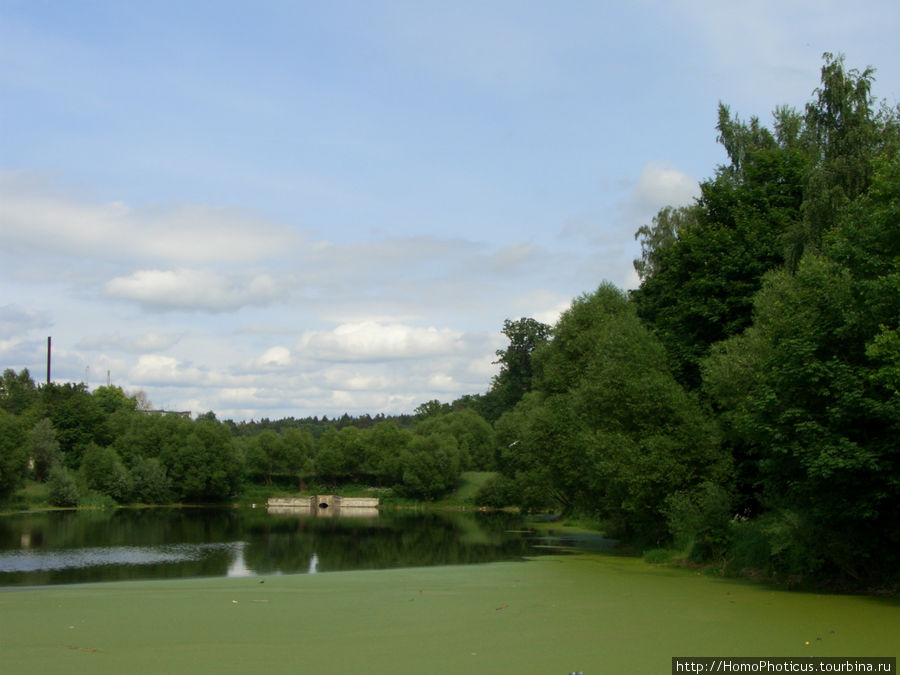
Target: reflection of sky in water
[74,558]
[238,567]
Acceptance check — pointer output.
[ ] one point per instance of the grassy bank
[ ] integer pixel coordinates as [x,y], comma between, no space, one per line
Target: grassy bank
[586,613]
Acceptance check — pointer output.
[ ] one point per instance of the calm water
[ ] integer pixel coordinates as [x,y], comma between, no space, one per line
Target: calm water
[64,547]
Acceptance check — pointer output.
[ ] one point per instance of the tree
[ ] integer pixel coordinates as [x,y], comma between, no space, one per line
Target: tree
[17,391]
[608,428]
[474,437]
[845,136]
[430,466]
[269,453]
[45,451]
[104,472]
[516,371]
[13,454]
[430,409]
[529,438]
[809,391]
[201,460]
[141,402]
[339,454]
[668,223]
[111,399]
[299,448]
[701,265]
[150,482]
[264,453]
[76,417]
[386,444]
[62,487]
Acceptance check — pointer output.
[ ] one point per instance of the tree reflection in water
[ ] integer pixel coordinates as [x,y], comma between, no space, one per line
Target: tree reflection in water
[85,546]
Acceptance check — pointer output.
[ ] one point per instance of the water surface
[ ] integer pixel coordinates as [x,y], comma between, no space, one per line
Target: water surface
[61,547]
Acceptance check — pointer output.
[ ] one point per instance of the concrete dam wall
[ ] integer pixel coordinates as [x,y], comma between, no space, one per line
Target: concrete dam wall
[324,505]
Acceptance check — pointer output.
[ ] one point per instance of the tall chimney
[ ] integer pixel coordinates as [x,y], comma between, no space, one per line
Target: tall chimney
[48,359]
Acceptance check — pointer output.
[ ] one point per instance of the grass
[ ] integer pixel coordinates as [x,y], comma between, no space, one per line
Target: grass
[32,495]
[470,482]
[589,613]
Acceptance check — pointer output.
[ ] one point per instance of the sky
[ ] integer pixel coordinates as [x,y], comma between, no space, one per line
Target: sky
[274,209]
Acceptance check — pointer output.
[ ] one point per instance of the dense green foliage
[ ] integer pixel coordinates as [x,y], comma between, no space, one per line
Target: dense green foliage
[608,431]
[779,300]
[100,447]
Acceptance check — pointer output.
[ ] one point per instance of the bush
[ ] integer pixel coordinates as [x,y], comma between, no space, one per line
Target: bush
[97,500]
[498,492]
[699,520]
[62,487]
[658,556]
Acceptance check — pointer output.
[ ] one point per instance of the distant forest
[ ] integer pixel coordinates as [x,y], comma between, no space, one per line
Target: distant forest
[740,408]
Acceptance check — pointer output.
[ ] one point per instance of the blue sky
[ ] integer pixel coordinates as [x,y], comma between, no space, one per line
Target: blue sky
[272,208]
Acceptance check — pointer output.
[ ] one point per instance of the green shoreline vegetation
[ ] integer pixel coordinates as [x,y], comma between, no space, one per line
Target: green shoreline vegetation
[738,411]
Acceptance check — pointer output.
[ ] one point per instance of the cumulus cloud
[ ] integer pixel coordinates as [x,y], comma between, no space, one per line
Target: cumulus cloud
[367,341]
[9,345]
[660,184]
[355,380]
[194,289]
[36,211]
[275,357]
[156,369]
[442,382]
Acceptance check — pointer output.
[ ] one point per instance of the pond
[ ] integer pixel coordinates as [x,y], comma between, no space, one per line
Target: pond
[64,547]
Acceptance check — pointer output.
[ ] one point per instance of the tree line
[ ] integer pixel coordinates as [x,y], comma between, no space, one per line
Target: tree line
[86,445]
[742,404]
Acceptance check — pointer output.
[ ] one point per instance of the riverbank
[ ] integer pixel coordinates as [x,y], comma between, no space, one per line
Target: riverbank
[590,613]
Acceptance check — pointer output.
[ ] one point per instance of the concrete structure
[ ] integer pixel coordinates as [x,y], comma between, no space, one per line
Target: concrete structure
[324,506]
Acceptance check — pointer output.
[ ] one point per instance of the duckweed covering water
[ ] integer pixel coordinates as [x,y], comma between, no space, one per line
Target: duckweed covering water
[592,613]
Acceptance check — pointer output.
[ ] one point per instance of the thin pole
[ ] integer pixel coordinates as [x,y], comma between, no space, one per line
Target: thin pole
[48,359]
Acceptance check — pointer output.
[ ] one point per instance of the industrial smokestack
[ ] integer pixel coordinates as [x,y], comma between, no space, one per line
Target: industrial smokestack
[48,359]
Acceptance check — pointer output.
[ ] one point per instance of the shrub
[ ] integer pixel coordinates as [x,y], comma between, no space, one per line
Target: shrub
[62,487]
[699,520]
[658,556]
[498,492]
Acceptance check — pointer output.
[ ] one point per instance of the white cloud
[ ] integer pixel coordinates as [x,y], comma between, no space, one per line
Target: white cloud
[37,212]
[156,369]
[369,341]
[233,395]
[349,380]
[661,184]
[193,289]
[442,382]
[9,345]
[145,342]
[543,305]
[275,357]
